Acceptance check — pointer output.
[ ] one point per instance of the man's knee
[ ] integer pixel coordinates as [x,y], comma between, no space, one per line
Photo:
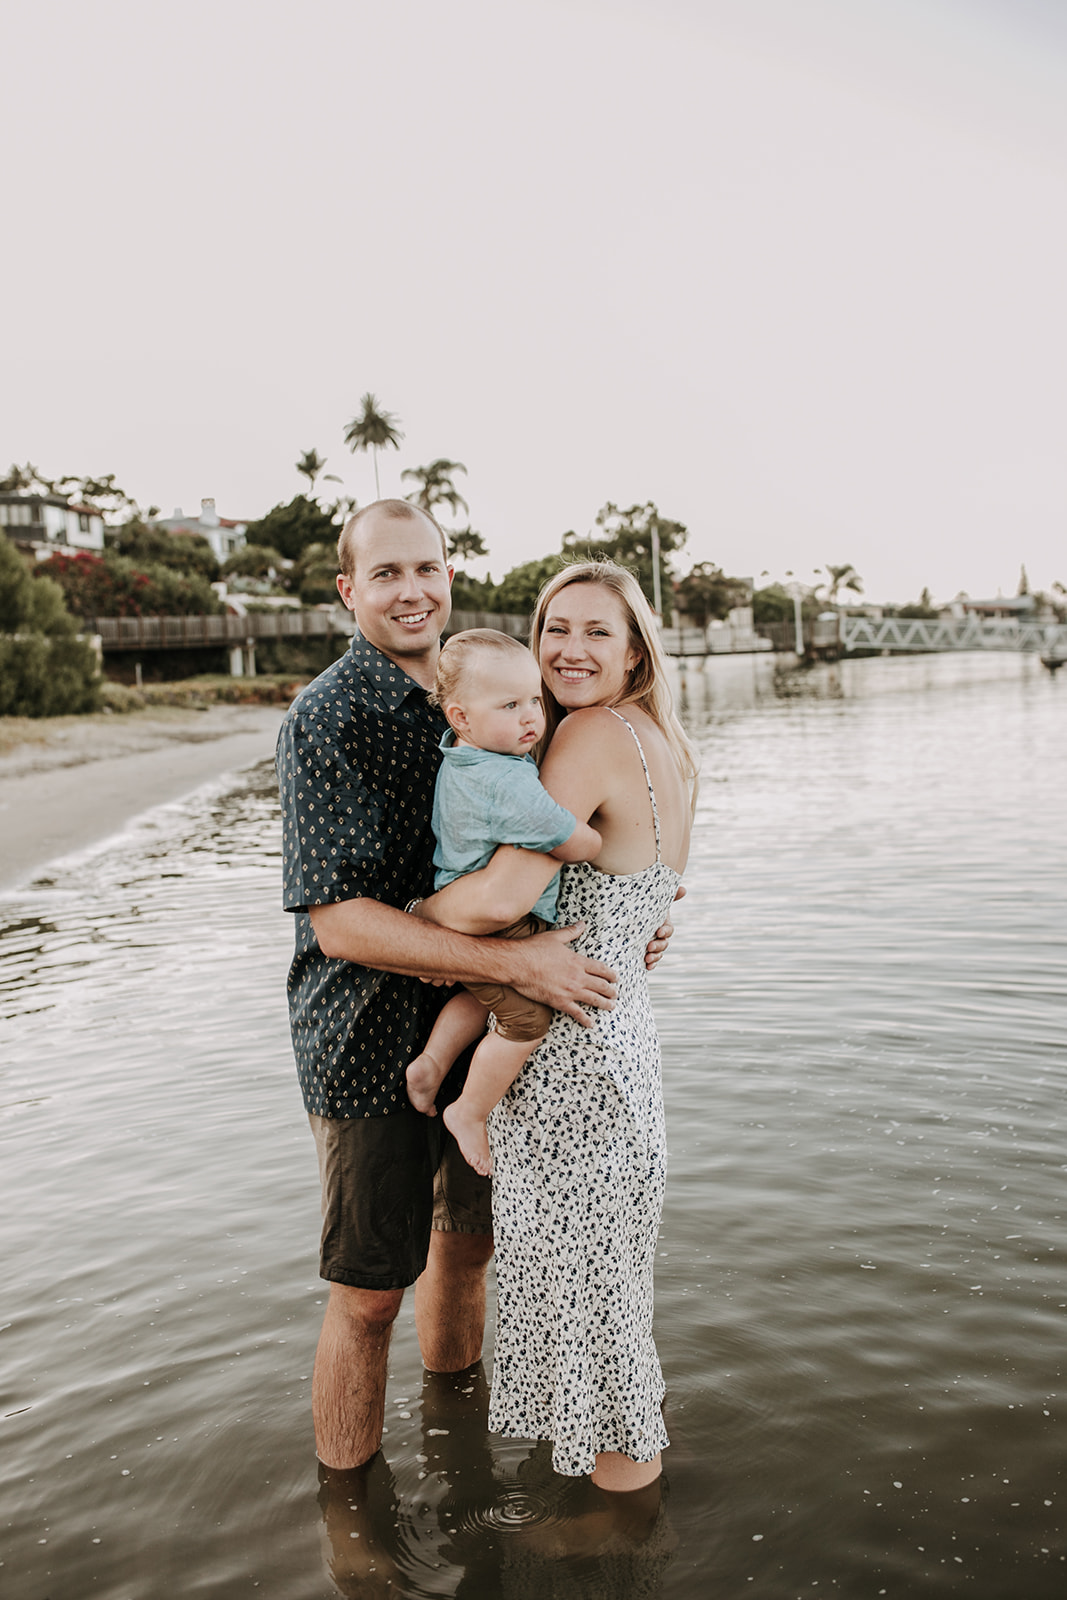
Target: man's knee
[369,1310]
[462,1252]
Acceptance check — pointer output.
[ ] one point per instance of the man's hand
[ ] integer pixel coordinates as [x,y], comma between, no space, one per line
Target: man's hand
[559,977]
[657,945]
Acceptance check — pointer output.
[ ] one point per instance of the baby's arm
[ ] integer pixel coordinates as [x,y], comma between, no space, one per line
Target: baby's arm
[583,845]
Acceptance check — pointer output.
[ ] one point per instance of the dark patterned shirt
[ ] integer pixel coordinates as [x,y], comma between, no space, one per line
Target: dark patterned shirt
[357,761]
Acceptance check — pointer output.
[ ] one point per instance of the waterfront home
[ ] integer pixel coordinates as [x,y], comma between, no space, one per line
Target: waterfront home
[223,535]
[42,523]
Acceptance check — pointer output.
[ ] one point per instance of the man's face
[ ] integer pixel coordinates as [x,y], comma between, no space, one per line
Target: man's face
[399,592]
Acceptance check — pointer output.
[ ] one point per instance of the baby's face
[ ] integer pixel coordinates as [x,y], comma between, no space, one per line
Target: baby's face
[498,706]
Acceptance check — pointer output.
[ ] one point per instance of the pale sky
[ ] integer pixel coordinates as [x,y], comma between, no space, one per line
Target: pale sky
[793,269]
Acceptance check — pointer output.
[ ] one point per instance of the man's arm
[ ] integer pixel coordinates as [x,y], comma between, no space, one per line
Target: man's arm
[544,968]
[504,890]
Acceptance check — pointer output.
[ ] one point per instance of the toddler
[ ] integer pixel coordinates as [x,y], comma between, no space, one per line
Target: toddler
[488,794]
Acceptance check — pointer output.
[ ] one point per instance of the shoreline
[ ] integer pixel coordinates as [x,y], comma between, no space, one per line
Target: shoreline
[70,782]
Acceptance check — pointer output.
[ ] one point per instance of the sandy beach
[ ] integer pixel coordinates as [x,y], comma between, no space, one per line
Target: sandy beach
[69,782]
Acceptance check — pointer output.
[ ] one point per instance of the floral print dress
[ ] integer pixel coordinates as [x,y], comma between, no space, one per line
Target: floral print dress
[579,1163]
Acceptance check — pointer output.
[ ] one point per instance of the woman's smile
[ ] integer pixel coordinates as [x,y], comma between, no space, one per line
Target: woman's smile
[585,651]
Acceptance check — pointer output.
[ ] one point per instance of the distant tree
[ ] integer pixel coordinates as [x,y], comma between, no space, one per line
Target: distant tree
[46,670]
[291,528]
[19,478]
[314,577]
[436,487]
[1024,582]
[706,592]
[372,430]
[113,586]
[626,537]
[253,561]
[310,465]
[844,576]
[144,546]
[466,545]
[772,604]
[102,494]
[476,594]
[341,509]
[519,588]
[922,609]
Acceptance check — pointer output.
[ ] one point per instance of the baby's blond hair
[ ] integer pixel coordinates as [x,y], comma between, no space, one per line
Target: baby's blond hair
[460,653]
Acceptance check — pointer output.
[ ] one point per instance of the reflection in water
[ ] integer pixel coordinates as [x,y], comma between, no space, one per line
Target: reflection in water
[860,1286]
[483,1522]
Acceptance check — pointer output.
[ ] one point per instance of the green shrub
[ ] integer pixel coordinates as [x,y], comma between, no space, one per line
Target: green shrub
[112,585]
[46,670]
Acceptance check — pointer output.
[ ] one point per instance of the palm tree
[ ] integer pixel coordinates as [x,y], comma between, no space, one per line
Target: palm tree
[466,544]
[435,485]
[842,577]
[372,430]
[310,465]
[27,477]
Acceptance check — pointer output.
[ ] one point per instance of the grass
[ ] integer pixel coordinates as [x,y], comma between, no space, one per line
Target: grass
[156,700]
[267,689]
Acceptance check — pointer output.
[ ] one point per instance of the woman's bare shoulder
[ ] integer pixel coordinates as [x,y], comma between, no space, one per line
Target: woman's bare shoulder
[595,726]
[588,717]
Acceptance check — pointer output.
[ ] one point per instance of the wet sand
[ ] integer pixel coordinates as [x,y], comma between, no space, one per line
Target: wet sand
[69,782]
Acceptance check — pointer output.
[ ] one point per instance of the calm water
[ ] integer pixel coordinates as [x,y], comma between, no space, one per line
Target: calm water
[862,1288]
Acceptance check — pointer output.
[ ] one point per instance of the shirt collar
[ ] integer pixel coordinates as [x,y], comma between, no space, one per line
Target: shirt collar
[468,755]
[388,682]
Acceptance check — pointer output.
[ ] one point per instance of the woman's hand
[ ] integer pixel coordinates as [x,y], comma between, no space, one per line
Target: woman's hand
[657,945]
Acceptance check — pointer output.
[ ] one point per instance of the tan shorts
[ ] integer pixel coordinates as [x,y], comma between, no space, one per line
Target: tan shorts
[517,1018]
[387,1183]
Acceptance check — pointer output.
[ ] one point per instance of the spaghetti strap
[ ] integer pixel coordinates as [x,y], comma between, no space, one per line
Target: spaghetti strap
[648,780]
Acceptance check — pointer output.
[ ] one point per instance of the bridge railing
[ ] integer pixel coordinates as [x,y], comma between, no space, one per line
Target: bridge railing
[228,631]
[952,633]
[200,632]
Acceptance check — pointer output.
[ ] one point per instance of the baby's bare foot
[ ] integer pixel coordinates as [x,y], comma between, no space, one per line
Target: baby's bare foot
[424,1078]
[470,1134]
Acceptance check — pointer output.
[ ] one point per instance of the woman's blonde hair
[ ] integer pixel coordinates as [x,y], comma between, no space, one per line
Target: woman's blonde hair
[649,688]
[458,655]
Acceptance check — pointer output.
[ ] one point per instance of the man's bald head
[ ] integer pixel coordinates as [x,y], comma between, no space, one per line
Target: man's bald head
[379,512]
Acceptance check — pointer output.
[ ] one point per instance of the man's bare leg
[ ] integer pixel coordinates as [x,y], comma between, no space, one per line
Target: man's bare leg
[450,1300]
[460,1022]
[348,1385]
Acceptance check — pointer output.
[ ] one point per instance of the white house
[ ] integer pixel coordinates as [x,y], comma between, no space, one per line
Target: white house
[222,535]
[46,523]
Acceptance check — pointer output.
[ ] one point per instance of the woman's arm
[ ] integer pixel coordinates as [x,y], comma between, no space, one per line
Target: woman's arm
[514,880]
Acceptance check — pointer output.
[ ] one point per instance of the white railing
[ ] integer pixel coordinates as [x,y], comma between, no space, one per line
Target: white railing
[952,633]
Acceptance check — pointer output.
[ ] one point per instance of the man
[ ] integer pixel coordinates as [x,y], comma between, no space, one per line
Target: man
[357,761]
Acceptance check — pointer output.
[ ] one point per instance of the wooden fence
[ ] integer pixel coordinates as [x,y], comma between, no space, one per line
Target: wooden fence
[229,632]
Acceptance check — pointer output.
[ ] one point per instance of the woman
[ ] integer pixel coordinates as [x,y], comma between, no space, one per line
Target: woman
[578,1142]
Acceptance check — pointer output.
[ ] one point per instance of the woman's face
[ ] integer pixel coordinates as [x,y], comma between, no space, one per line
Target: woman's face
[585,653]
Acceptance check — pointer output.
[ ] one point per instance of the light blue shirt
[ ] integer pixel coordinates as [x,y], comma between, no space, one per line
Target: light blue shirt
[484,800]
